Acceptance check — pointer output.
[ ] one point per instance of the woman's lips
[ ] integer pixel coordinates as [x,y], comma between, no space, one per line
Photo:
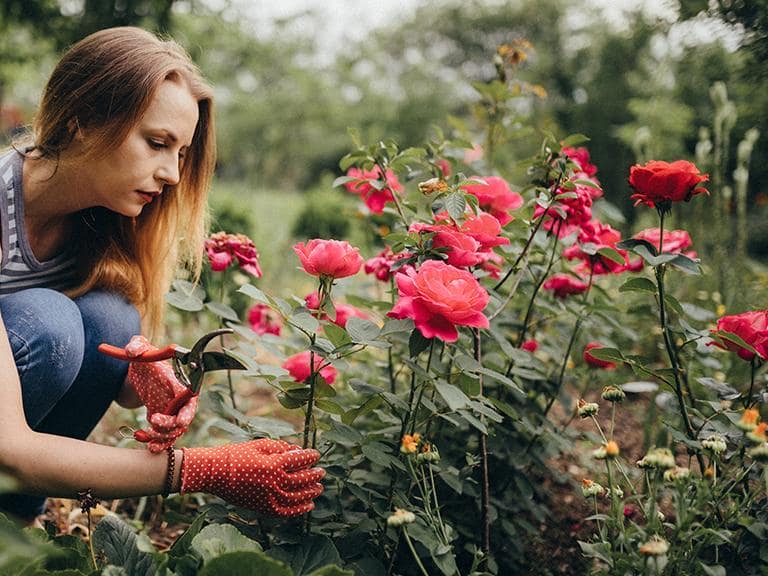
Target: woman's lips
[146,196]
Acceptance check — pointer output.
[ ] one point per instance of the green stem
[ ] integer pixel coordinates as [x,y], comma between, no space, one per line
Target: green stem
[413,551]
[485,487]
[221,340]
[659,270]
[395,199]
[752,368]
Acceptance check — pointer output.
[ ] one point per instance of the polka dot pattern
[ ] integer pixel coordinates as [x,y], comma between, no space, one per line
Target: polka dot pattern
[270,476]
[156,385]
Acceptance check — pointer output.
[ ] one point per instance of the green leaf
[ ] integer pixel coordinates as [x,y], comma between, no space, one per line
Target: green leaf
[217,539]
[342,180]
[222,311]
[361,330]
[452,395]
[312,553]
[574,140]
[251,291]
[612,255]
[72,554]
[639,284]
[686,264]
[304,322]
[116,541]
[332,571]
[417,343]
[183,543]
[380,454]
[337,335]
[674,304]
[329,406]
[368,406]
[731,337]
[611,354]
[245,564]
[184,301]
[455,204]
[714,570]
[261,426]
[632,243]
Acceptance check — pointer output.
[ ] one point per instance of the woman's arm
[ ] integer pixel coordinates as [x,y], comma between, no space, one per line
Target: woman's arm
[57,466]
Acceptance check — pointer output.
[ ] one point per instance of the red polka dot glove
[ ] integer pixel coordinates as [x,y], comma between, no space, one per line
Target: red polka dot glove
[269,476]
[156,385]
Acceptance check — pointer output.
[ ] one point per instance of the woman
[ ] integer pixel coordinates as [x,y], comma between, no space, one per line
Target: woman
[98,211]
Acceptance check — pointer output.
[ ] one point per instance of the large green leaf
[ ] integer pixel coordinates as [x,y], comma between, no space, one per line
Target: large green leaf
[218,539]
[116,542]
[312,553]
[244,564]
[452,395]
[184,542]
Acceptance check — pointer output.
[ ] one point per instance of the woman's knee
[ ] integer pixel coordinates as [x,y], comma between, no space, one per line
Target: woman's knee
[108,317]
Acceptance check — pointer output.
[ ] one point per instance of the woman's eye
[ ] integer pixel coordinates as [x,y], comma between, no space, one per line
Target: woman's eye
[156,144]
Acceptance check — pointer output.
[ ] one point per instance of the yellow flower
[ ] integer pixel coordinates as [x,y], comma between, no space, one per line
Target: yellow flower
[611,449]
[720,309]
[401,517]
[410,444]
[758,435]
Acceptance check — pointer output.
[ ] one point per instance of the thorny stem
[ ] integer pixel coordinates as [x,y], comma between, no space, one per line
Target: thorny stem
[310,400]
[660,269]
[398,207]
[752,368]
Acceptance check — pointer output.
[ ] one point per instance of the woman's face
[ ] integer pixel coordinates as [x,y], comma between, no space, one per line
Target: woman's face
[128,178]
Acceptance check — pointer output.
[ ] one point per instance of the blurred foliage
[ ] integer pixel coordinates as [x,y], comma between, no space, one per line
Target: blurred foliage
[323,216]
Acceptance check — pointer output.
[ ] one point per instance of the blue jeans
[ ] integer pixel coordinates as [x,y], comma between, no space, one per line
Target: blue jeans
[66,383]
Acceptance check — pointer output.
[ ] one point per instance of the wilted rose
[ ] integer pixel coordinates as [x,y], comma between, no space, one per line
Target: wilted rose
[329,258]
[222,248]
[439,297]
[298,367]
[662,183]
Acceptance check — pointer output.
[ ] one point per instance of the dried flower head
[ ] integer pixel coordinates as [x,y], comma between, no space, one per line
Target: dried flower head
[587,409]
[613,394]
[759,453]
[661,458]
[433,185]
[656,546]
[591,489]
[400,517]
[714,443]
[676,474]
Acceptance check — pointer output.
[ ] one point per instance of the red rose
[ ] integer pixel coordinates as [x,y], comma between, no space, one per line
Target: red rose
[462,250]
[567,215]
[298,367]
[530,345]
[563,285]
[495,197]
[592,361]
[439,297]
[660,182]
[330,258]
[580,156]
[264,320]
[752,327]
[374,198]
[381,265]
[598,235]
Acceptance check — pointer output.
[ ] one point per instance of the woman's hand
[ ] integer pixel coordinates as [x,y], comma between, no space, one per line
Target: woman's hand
[271,476]
[156,385]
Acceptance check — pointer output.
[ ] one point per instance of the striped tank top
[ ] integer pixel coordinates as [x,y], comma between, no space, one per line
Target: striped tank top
[19,269]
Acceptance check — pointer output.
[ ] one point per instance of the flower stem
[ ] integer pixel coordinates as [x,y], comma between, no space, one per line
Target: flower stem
[752,369]
[485,494]
[413,551]
[311,399]
[659,270]
[221,340]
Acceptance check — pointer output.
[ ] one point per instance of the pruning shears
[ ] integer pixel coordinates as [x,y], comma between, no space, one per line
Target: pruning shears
[189,365]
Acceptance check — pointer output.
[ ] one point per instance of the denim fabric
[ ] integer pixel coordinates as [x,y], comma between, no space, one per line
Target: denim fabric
[66,383]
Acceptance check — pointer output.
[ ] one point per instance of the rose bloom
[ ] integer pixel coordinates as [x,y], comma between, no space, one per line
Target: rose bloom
[343,311]
[660,182]
[264,320]
[567,215]
[222,248]
[530,345]
[439,297]
[592,361]
[444,166]
[563,285]
[601,236]
[495,197]
[381,265]
[330,258]
[298,367]
[485,228]
[752,327]
[373,198]
[462,250]
[674,240]
[580,156]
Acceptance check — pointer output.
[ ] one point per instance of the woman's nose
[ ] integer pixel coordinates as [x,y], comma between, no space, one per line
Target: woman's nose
[168,171]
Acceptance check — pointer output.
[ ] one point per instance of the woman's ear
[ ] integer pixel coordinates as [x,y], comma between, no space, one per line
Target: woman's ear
[75,132]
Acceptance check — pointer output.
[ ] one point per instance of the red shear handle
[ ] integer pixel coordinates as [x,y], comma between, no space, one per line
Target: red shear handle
[176,403]
[149,356]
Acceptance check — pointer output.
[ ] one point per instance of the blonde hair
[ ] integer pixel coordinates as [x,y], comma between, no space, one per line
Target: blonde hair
[103,85]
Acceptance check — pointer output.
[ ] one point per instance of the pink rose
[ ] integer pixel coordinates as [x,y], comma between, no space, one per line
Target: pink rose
[439,297]
[444,166]
[580,156]
[751,327]
[462,250]
[596,362]
[599,235]
[329,258]
[485,228]
[563,285]
[567,215]
[264,320]
[221,248]
[343,311]
[674,240]
[495,197]
[375,199]
[298,367]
